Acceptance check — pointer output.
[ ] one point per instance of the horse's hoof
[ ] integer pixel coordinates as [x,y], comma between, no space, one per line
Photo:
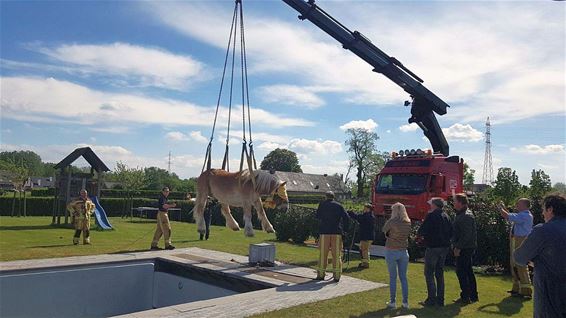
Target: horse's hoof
[270,231]
[250,234]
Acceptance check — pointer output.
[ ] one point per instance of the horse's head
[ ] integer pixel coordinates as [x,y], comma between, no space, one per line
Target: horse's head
[278,199]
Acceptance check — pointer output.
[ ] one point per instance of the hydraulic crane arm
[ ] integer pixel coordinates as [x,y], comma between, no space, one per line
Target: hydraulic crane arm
[424,102]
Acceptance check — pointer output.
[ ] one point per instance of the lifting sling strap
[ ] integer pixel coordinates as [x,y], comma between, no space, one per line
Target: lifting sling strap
[247,157]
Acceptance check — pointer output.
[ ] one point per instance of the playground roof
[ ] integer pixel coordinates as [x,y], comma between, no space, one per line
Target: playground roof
[88,155]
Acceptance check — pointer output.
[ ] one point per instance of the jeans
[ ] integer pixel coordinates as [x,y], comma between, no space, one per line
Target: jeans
[397,262]
[465,274]
[434,269]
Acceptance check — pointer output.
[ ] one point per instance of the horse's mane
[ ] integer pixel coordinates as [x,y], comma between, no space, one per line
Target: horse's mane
[265,182]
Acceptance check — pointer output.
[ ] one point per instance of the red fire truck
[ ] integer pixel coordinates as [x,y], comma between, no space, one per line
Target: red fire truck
[412,177]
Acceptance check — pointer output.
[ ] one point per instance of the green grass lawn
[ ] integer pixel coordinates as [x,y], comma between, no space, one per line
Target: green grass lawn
[33,237]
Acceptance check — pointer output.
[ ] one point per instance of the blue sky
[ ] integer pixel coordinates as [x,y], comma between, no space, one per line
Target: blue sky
[135,80]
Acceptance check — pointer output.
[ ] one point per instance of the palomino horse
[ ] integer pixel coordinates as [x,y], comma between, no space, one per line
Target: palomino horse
[237,189]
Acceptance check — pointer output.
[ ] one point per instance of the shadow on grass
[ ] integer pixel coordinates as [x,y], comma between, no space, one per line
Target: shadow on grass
[451,310]
[188,241]
[508,306]
[52,246]
[34,227]
[132,251]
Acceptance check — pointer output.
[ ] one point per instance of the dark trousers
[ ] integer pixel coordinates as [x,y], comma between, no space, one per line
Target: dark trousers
[207,220]
[465,274]
[434,273]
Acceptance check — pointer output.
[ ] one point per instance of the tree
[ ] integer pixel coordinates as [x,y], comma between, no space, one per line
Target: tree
[362,150]
[540,185]
[468,177]
[18,175]
[131,179]
[281,160]
[26,159]
[507,187]
[559,187]
[157,178]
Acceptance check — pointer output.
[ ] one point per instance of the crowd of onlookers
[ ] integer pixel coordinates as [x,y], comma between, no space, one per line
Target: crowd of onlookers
[543,247]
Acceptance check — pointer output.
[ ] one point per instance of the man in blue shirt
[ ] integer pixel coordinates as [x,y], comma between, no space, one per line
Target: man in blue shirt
[522,226]
[545,248]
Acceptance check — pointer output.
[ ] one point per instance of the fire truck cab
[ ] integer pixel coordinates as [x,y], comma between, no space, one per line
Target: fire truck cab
[412,177]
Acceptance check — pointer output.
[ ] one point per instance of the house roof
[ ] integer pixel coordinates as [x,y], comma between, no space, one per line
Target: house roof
[314,183]
[88,155]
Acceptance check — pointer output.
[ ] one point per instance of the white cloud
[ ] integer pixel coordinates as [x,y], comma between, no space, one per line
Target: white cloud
[306,146]
[179,136]
[290,95]
[408,127]
[198,137]
[462,133]
[55,101]
[539,150]
[508,89]
[332,167]
[176,136]
[269,146]
[141,65]
[368,125]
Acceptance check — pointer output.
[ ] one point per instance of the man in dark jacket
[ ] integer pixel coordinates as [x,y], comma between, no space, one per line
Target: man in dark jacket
[545,248]
[437,231]
[333,220]
[465,244]
[367,231]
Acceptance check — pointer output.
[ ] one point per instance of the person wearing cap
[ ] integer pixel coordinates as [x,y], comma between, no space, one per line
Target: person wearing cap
[80,211]
[163,226]
[333,220]
[367,232]
[436,230]
[522,226]
[464,242]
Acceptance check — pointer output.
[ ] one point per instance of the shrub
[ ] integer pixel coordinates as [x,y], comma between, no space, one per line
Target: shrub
[43,192]
[297,224]
[492,234]
[34,206]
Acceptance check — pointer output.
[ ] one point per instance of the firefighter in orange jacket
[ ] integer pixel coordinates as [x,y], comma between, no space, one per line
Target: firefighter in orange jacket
[81,210]
[333,220]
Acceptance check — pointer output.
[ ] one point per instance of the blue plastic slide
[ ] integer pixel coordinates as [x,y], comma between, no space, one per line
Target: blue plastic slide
[100,214]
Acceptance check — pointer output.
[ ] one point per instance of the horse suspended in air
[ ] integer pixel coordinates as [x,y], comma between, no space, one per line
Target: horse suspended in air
[237,189]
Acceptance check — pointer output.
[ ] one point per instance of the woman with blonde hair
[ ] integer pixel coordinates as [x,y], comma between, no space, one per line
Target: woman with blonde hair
[397,230]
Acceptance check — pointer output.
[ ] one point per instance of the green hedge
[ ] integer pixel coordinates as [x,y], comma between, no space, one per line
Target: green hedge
[43,192]
[43,206]
[114,193]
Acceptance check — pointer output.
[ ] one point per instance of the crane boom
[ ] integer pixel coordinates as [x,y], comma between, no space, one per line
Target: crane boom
[424,102]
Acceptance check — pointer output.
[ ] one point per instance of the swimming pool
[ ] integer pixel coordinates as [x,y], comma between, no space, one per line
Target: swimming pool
[109,289]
